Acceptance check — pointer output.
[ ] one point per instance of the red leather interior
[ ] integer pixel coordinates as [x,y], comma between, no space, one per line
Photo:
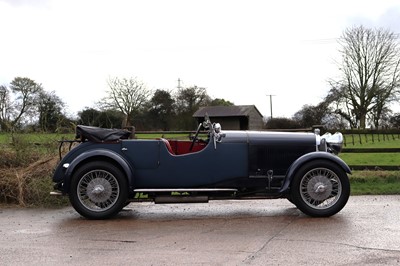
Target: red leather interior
[179,147]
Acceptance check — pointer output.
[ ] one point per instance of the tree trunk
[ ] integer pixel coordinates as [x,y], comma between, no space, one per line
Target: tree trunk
[363,117]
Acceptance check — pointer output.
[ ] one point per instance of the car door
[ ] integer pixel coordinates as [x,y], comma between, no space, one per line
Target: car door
[211,166]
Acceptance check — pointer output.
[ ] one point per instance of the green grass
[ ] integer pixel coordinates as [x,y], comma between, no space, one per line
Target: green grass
[42,138]
[23,144]
[6,138]
[362,141]
[166,136]
[371,141]
[375,182]
[373,159]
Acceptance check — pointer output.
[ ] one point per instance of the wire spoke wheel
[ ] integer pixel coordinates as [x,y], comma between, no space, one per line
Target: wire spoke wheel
[98,190]
[320,188]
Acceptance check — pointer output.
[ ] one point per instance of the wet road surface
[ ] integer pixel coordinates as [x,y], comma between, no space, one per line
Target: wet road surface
[260,232]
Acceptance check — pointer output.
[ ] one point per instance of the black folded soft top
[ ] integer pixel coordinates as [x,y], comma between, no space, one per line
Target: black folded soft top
[97,134]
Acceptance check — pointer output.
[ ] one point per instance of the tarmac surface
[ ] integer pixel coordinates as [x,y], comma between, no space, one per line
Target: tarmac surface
[256,232]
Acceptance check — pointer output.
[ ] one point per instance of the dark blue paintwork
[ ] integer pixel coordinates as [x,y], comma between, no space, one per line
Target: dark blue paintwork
[238,157]
[107,170]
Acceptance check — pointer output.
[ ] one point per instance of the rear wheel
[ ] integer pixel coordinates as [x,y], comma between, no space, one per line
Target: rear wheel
[320,188]
[98,190]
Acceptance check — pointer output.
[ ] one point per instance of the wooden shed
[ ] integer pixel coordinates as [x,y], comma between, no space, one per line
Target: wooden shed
[237,117]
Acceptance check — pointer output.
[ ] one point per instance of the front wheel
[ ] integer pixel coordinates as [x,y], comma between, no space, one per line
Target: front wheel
[98,190]
[320,188]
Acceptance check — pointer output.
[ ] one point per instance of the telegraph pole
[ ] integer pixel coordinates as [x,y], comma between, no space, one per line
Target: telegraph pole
[179,83]
[270,102]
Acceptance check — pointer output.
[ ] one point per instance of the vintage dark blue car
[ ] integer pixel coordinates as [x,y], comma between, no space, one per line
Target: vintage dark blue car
[107,169]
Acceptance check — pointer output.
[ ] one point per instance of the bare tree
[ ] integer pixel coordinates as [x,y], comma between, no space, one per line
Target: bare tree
[127,96]
[370,74]
[26,92]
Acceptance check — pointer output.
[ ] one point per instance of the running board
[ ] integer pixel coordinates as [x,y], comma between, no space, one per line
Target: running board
[144,190]
[184,199]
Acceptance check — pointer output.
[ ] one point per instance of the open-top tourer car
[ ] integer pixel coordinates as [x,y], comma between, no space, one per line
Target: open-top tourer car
[107,169]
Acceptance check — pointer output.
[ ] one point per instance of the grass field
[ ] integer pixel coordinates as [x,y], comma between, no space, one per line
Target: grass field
[35,138]
[166,136]
[373,159]
[371,141]
[375,182]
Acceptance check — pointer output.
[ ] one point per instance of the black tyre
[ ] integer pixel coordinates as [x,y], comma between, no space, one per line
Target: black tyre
[320,188]
[99,190]
[289,198]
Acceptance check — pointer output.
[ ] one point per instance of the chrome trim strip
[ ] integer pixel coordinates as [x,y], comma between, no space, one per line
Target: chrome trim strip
[184,189]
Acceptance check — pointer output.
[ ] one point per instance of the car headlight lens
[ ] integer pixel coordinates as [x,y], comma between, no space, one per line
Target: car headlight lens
[334,142]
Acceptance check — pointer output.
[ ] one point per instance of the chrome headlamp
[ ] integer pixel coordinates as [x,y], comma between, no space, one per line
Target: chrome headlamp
[334,142]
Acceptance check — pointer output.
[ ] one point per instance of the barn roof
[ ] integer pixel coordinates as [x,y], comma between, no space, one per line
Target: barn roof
[225,111]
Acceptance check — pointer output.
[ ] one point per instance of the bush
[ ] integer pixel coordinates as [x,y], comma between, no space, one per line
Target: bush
[29,185]
[25,174]
[281,123]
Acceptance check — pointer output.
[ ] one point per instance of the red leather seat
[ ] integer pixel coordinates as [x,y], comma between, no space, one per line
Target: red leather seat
[168,145]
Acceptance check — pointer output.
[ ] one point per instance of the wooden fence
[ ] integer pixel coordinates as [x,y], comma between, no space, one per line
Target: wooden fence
[365,138]
[371,166]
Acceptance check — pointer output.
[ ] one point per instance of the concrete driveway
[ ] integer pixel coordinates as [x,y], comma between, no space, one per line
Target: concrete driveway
[260,232]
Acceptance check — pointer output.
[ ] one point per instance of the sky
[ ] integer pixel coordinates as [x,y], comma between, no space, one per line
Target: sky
[241,51]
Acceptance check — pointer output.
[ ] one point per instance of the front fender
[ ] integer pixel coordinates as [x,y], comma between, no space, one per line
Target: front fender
[310,157]
[98,154]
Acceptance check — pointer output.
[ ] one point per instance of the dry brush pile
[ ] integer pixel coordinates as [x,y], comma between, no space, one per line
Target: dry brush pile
[25,176]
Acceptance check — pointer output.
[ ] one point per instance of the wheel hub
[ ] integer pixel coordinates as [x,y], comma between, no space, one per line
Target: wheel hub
[98,189]
[319,188]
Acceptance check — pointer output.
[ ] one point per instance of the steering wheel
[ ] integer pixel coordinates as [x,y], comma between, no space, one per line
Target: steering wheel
[195,136]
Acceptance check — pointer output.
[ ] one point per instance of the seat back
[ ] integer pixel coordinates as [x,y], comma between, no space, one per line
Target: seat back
[168,145]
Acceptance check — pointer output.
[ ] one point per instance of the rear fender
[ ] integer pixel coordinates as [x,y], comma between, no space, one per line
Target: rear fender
[310,157]
[98,155]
